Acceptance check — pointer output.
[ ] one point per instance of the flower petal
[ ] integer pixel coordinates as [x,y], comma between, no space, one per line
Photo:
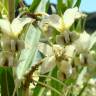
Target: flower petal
[82,43]
[5,26]
[69,51]
[57,22]
[45,49]
[70,15]
[18,24]
[48,64]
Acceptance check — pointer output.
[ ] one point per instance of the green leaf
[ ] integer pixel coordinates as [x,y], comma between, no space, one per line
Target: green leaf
[92,40]
[16,3]
[39,89]
[43,85]
[27,55]
[55,84]
[79,25]
[69,3]
[61,7]
[78,2]
[34,5]
[6,81]
[5,3]
[38,56]
[47,6]
[4,7]
[42,6]
[94,47]
[20,91]
[83,89]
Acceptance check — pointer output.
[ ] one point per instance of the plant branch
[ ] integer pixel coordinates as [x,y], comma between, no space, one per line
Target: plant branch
[28,77]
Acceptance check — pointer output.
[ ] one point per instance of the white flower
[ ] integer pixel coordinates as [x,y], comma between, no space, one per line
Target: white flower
[85,42]
[64,66]
[69,51]
[70,15]
[13,29]
[82,43]
[65,21]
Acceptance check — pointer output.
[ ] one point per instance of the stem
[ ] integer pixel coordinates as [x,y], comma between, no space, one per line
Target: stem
[47,86]
[17,85]
[83,89]
[55,79]
[28,77]
[11,10]
[26,92]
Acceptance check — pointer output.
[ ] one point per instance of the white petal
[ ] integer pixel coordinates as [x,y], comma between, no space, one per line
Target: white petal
[45,49]
[57,22]
[48,64]
[69,51]
[18,24]
[82,43]
[5,26]
[70,15]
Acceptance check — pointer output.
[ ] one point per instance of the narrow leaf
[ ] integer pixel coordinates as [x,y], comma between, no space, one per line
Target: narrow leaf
[39,89]
[42,6]
[34,5]
[69,3]
[61,7]
[6,81]
[55,84]
[78,2]
[27,55]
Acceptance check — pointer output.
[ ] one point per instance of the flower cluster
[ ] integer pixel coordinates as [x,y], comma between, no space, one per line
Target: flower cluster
[72,51]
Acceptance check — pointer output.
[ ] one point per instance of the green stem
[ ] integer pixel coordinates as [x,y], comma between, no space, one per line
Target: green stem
[83,89]
[49,87]
[53,78]
[26,92]
[11,10]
